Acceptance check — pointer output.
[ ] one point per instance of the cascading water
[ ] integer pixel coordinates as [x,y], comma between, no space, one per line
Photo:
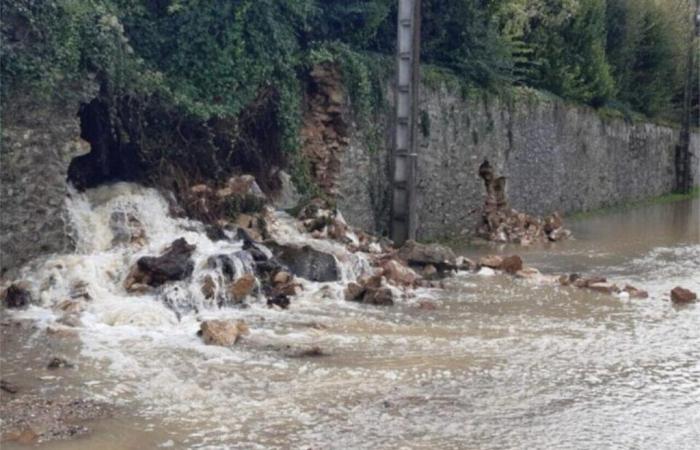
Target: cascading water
[497,363]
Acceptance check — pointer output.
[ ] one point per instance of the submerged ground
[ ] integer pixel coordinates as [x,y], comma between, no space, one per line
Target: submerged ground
[499,363]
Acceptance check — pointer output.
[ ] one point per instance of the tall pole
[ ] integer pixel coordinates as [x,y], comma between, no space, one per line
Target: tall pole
[684,173]
[403,210]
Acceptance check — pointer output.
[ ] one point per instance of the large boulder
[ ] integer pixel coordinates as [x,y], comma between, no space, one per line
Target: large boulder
[307,262]
[417,254]
[682,295]
[173,265]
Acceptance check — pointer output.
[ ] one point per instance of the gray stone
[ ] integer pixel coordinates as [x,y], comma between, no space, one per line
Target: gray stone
[307,262]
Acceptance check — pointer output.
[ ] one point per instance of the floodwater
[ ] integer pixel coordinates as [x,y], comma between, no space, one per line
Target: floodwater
[500,363]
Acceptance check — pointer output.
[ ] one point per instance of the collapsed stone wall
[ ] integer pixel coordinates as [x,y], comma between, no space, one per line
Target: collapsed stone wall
[555,156]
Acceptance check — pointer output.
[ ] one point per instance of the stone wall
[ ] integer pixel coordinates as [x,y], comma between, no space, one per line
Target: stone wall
[38,143]
[556,156]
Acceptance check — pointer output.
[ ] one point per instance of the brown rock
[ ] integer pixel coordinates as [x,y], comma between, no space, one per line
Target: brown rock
[242,287]
[8,387]
[382,296]
[635,293]
[222,332]
[282,277]
[429,271]
[415,253]
[682,295]
[354,291]
[512,264]
[491,261]
[208,287]
[465,264]
[399,274]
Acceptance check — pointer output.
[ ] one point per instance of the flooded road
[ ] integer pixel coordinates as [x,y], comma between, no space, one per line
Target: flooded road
[499,363]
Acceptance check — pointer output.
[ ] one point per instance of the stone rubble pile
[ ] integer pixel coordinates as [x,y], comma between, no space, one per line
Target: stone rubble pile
[500,223]
[276,272]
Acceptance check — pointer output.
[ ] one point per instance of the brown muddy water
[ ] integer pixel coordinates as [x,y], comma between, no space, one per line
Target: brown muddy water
[499,364]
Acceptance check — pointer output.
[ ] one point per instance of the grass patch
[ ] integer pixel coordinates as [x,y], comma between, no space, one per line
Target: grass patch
[662,199]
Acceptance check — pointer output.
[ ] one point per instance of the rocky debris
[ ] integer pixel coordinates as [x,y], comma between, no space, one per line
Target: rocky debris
[322,220]
[282,277]
[324,132]
[29,419]
[223,333]
[173,265]
[603,287]
[420,255]
[58,363]
[241,185]
[8,387]
[234,265]
[465,264]
[399,274]
[491,261]
[79,291]
[369,290]
[126,229]
[17,295]
[242,287]
[512,264]
[287,196]
[252,226]
[430,272]
[240,194]
[601,284]
[307,262]
[634,292]
[381,296]
[279,300]
[208,287]
[354,291]
[682,295]
[499,223]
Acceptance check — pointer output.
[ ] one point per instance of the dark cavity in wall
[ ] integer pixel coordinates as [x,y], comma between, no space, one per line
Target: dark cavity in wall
[109,158]
[158,145]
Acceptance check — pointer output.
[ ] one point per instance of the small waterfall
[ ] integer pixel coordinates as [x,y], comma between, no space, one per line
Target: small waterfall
[113,226]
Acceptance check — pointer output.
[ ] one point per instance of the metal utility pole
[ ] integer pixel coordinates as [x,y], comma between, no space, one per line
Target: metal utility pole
[403,210]
[684,173]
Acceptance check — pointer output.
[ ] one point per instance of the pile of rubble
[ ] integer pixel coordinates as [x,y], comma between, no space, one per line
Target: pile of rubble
[502,224]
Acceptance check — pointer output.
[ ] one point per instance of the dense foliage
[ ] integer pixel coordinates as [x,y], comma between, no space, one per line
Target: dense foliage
[212,58]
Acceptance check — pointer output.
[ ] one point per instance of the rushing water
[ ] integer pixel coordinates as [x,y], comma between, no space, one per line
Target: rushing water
[499,364]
